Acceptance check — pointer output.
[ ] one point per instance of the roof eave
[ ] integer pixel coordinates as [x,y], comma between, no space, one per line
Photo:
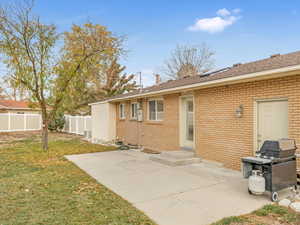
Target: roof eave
[263,75]
[101,102]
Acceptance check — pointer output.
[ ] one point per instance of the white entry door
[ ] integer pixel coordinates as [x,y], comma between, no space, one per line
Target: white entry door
[272,121]
[187,123]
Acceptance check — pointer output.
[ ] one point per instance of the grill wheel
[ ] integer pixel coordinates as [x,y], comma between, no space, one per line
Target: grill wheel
[274,196]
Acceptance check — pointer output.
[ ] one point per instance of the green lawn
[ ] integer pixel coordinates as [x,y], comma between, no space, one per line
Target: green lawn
[38,187]
[268,215]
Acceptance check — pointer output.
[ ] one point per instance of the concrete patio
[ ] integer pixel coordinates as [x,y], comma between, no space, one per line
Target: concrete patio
[196,194]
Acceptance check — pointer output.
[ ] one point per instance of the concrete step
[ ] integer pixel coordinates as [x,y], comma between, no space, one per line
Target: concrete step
[177,159]
[179,154]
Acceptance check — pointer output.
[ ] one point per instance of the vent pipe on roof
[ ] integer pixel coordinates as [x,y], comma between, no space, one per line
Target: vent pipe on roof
[274,55]
[237,64]
[157,79]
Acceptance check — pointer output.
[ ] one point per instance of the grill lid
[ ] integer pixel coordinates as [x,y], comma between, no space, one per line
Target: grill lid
[280,145]
[287,144]
[278,149]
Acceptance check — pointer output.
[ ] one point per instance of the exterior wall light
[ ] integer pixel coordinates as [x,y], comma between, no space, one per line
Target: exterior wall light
[239,111]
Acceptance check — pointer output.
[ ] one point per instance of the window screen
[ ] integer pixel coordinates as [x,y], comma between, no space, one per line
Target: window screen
[134,110]
[122,111]
[156,110]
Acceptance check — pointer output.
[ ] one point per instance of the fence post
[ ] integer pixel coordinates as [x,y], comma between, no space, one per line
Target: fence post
[70,124]
[77,128]
[24,117]
[9,121]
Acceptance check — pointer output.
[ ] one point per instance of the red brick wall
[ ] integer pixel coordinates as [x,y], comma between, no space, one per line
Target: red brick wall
[222,137]
[162,136]
[127,129]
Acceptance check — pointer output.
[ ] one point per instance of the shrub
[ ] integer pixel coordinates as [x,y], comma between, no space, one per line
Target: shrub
[58,123]
[274,209]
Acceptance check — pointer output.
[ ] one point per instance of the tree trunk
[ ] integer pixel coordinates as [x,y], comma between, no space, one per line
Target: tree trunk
[45,129]
[45,136]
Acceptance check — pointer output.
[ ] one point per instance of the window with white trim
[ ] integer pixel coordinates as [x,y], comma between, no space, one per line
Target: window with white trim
[134,108]
[156,110]
[122,111]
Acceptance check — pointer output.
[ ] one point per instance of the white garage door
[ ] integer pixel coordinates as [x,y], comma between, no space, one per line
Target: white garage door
[272,121]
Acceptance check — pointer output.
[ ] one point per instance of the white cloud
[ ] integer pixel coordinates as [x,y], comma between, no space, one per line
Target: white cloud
[212,25]
[218,23]
[223,12]
[237,11]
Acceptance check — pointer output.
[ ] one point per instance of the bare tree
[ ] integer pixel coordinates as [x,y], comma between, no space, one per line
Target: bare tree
[27,47]
[189,60]
[10,89]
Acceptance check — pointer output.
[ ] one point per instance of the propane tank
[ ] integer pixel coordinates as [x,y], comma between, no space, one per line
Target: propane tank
[257,183]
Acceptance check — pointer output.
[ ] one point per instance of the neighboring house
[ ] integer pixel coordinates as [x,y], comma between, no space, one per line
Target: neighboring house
[222,116]
[19,107]
[19,116]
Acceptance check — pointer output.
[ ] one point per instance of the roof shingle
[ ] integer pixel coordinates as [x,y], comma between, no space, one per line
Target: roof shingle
[273,62]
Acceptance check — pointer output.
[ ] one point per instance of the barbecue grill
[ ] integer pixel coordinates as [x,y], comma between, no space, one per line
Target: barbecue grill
[276,163]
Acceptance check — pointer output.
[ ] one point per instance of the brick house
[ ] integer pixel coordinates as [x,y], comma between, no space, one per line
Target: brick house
[19,116]
[221,116]
[18,107]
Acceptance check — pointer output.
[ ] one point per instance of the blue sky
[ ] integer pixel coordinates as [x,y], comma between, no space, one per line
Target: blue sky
[238,31]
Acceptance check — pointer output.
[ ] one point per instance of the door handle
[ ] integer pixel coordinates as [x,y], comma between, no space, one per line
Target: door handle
[258,137]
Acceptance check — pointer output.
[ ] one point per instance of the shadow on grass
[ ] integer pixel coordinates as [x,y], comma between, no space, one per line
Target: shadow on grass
[38,187]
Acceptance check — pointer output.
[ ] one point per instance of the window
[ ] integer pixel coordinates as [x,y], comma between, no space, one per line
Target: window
[190,120]
[134,108]
[156,110]
[122,111]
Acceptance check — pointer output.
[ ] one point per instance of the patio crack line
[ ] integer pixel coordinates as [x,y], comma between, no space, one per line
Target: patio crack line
[177,193]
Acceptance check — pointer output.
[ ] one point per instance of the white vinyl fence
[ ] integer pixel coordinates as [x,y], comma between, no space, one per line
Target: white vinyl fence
[77,124]
[10,122]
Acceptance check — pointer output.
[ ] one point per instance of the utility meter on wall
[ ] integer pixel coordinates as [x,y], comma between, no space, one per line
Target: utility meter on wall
[140,115]
[140,112]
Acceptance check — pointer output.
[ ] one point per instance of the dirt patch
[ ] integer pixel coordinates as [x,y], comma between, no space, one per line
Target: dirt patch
[17,136]
[266,220]
[150,151]
[9,138]
[63,136]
